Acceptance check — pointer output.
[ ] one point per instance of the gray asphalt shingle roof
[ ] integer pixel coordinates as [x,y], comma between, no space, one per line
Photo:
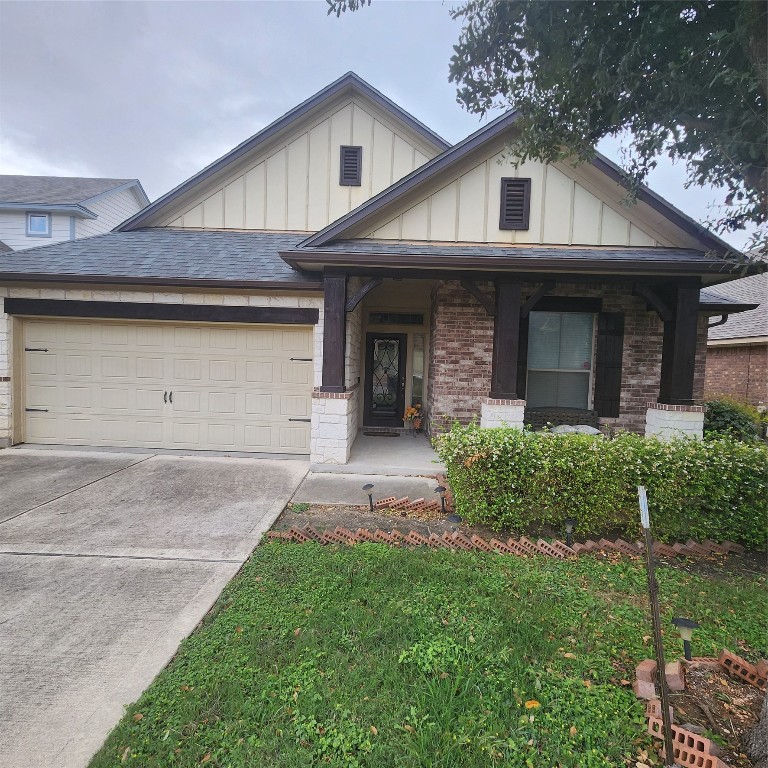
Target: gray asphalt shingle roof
[748,290]
[163,254]
[53,190]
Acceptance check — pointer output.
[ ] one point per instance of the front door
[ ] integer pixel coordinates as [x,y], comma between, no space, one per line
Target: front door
[385,379]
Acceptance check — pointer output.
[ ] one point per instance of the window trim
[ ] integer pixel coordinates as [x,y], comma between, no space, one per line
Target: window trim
[47,216]
[592,362]
[343,180]
[507,183]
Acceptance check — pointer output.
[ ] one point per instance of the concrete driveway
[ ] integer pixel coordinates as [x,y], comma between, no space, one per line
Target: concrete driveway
[107,561]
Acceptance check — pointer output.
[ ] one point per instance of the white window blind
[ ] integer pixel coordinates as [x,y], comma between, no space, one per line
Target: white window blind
[559,359]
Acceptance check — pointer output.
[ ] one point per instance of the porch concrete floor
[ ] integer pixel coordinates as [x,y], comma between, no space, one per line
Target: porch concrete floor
[404,455]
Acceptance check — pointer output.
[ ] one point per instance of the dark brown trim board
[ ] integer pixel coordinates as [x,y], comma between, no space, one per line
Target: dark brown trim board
[202,313]
[334,332]
[506,335]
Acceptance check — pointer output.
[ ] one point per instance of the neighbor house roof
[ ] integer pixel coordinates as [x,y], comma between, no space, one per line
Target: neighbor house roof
[752,324]
[5,248]
[182,258]
[57,190]
[348,83]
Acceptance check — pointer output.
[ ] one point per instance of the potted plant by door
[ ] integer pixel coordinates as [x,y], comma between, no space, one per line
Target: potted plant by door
[412,418]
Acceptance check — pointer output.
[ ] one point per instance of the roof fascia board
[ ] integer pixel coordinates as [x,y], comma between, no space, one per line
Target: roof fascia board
[134,185]
[321,259]
[409,183]
[71,209]
[347,83]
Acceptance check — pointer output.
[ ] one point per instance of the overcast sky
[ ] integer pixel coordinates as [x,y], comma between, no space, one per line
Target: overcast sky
[157,90]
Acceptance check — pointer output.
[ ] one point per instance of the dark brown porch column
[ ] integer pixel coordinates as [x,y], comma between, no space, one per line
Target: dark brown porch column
[506,337]
[678,356]
[334,332]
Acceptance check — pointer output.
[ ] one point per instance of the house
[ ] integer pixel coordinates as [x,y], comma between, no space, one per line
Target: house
[36,210]
[737,345]
[345,262]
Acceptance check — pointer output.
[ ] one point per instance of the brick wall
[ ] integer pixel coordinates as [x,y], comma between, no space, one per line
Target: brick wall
[462,347]
[740,371]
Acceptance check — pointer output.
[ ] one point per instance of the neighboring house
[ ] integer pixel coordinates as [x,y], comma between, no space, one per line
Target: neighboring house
[345,262]
[36,210]
[737,350]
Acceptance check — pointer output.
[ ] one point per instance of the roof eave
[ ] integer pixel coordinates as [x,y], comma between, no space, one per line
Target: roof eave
[177,282]
[72,209]
[318,260]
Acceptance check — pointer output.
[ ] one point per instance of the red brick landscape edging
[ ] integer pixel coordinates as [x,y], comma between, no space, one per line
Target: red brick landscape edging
[521,547]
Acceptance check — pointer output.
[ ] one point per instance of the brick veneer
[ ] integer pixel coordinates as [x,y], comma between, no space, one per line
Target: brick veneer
[462,347]
[740,371]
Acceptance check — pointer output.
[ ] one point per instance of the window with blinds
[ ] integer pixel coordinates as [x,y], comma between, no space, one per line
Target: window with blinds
[559,359]
[351,166]
[515,208]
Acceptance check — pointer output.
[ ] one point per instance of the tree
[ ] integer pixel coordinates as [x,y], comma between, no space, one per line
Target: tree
[685,79]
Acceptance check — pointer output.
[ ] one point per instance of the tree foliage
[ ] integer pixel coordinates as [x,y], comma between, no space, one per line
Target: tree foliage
[685,79]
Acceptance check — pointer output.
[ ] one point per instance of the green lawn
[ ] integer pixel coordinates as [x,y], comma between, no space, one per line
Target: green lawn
[382,657]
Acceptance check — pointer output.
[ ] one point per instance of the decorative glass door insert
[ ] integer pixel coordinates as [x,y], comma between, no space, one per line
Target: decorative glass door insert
[385,379]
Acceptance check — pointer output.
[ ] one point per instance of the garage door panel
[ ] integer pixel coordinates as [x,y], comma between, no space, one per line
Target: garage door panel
[104,383]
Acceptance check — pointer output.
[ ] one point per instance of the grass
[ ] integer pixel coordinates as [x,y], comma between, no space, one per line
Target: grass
[370,656]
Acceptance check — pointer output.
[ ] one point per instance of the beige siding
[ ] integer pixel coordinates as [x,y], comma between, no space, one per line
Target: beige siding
[111,209]
[294,184]
[564,211]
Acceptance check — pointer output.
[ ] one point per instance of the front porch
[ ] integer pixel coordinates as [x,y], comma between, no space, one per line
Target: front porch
[406,455]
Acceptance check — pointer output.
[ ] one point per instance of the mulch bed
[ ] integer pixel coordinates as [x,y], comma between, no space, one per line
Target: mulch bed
[722,705]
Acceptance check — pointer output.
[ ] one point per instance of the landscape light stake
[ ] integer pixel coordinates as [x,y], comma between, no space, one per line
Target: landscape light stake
[570,524]
[368,489]
[685,627]
[441,490]
[653,592]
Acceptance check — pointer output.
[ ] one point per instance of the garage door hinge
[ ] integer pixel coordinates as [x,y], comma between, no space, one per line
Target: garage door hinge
[302,359]
[299,419]
[36,410]
[34,349]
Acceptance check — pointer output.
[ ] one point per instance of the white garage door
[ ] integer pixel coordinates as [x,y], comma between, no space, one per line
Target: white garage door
[165,385]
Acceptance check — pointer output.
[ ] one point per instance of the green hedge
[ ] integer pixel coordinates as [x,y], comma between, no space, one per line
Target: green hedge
[526,481]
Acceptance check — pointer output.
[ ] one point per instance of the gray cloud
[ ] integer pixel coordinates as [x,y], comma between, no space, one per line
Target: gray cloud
[157,90]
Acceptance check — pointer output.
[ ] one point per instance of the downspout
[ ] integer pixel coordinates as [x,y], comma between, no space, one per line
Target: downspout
[722,321]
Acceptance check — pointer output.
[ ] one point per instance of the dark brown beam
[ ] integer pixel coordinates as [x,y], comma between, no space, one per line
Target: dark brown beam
[334,332]
[654,300]
[678,357]
[485,300]
[126,310]
[374,282]
[533,300]
[506,339]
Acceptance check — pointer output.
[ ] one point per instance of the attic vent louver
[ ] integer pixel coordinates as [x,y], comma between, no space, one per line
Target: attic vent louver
[515,203]
[351,166]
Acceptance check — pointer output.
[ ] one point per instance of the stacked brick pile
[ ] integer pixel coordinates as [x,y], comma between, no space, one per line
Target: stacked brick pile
[691,748]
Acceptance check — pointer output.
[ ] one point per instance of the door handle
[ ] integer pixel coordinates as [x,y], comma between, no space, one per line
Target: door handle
[170,398]
[165,396]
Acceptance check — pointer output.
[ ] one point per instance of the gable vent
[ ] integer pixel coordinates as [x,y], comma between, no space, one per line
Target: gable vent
[351,166]
[515,203]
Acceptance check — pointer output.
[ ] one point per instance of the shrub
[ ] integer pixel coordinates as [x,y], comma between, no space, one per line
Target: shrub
[726,416]
[521,481]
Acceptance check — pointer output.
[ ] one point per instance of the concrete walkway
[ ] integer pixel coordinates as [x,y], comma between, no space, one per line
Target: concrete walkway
[107,561]
[377,455]
[347,489]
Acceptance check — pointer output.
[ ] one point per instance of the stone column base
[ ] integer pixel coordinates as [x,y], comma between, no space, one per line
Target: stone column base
[502,413]
[334,426]
[670,421]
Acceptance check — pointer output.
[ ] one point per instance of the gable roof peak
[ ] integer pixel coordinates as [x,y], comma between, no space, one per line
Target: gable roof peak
[348,81]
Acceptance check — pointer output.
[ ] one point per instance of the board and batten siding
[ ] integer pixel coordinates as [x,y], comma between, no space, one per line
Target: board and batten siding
[13,230]
[111,209]
[294,185]
[563,211]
